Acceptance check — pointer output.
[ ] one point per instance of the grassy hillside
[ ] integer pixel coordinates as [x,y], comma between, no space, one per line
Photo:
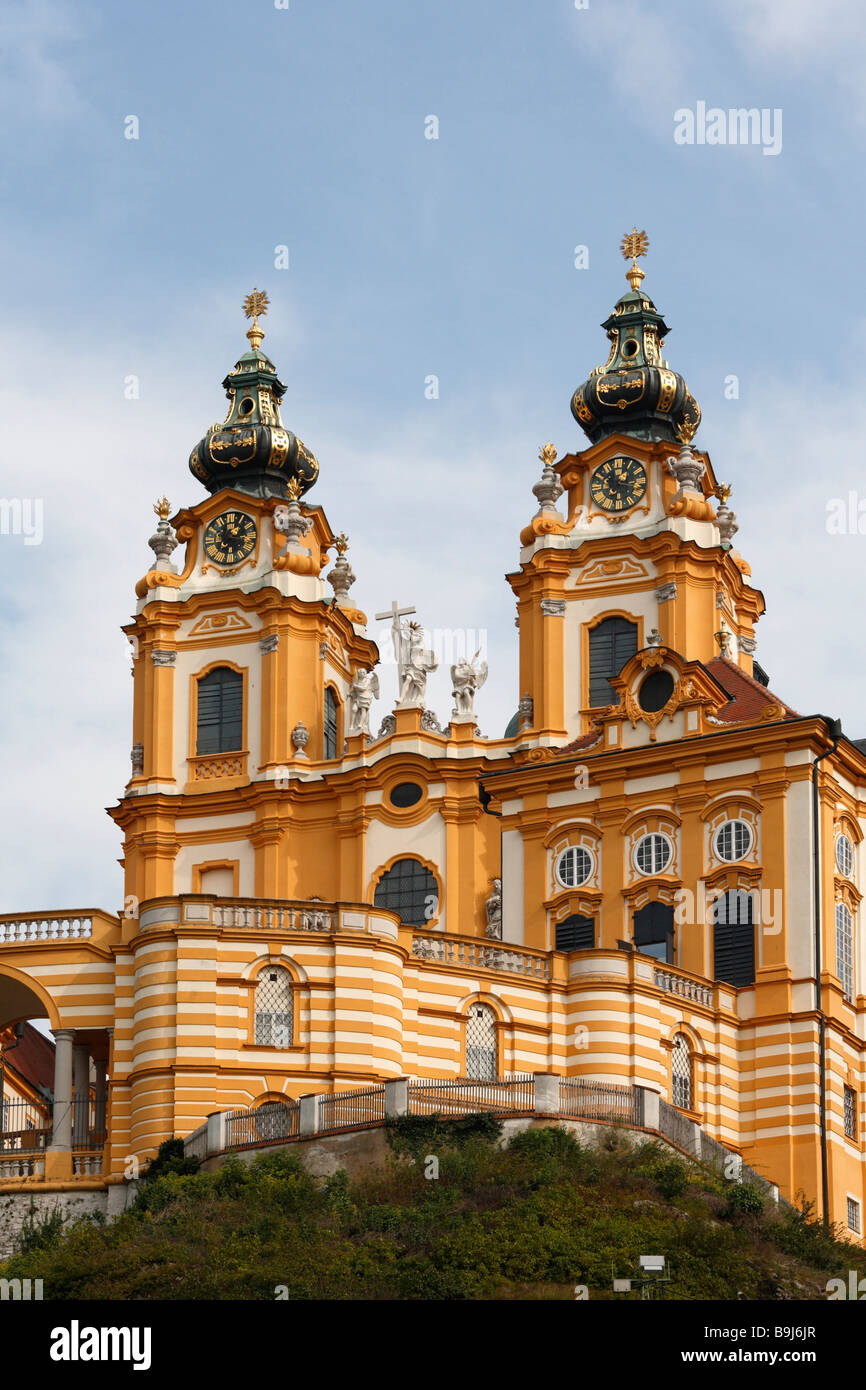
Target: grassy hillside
[531,1220]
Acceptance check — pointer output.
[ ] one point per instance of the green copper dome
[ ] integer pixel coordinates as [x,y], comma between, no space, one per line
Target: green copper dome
[252,450]
[635,392]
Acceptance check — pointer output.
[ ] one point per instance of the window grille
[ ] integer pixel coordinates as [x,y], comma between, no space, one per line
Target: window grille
[681,1073]
[481,1043]
[573,867]
[220,712]
[850,1096]
[330,741]
[845,950]
[274,1007]
[733,840]
[844,855]
[410,890]
[853,1215]
[611,644]
[734,938]
[653,854]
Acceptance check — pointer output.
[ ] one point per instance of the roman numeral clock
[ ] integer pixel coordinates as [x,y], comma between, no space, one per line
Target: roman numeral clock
[618,484]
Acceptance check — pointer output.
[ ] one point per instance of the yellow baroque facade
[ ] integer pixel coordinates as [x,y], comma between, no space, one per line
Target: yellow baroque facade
[652,879]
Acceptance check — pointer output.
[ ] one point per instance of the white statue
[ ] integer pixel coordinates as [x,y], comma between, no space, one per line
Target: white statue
[467,677]
[414,663]
[362,692]
[493,910]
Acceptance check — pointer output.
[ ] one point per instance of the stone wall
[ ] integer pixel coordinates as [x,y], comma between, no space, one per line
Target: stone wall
[16,1208]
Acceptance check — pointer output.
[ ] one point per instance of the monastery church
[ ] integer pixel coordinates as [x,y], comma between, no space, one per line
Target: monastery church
[650,884]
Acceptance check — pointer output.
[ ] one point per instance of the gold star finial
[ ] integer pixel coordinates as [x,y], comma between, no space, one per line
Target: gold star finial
[723,492]
[634,244]
[547,453]
[342,543]
[687,431]
[293,488]
[163,509]
[255,304]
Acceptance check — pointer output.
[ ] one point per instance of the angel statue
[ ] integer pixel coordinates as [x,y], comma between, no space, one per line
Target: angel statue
[414,663]
[493,912]
[467,677]
[362,692]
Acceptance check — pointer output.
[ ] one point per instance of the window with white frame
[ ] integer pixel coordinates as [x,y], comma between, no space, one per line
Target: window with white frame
[274,1011]
[845,949]
[653,853]
[853,1215]
[681,1073]
[733,840]
[481,1043]
[850,1106]
[573,866]
[844,855]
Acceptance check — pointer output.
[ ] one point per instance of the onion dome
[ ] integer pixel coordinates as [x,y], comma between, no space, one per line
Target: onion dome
[252,450]
[635,392]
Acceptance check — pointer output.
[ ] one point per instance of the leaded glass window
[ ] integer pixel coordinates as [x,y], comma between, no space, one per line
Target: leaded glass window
[845,949]
[330,740]
[481,1043]
[274,1007]
[681,1073]
[409,889]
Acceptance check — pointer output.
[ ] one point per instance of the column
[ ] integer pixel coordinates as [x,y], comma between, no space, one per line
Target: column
[81,1089]
[61,1131]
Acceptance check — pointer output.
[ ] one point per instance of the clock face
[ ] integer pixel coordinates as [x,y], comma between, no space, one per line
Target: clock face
[618,483]
[230,538]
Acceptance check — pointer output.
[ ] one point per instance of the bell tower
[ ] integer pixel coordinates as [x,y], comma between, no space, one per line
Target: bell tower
[242,659]
[641,557]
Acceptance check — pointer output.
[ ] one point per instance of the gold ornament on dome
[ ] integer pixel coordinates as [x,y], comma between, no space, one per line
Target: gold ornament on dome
[687,431]
[634,244]
[293,488]
[256,303]
[547,453]
[163,509]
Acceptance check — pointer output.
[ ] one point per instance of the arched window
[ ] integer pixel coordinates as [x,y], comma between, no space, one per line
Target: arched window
[410,890]
[845,950]
[220,725]
[575,933]
[734,938]
[481,1043]
[611,644]
[654,931]
[274,1021]
[681,1073]
[330,723]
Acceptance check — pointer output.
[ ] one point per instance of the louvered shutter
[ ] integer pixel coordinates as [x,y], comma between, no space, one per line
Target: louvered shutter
[734,939]
[611,645]
[654,931]
[220,712]
[575,933]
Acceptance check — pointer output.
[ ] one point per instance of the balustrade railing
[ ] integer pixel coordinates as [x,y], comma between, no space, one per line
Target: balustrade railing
[41,928]
[351,1108]
[683,986]
[479,954]
[582,1099]
[266,1124]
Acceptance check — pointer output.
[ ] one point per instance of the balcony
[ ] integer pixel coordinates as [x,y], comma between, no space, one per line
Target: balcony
[28,1133]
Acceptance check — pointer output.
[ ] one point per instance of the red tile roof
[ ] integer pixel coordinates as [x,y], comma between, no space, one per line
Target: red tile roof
[748,697]
[32,1059]
[585,741]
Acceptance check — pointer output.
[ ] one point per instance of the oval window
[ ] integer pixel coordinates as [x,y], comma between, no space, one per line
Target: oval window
[405,794]
[655,691]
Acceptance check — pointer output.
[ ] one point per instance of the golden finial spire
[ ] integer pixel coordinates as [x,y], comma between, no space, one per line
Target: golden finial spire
[255,303]
[293,488]
[723,492]
[686,431]
[634,244]
[163,509]
[342,543]
[547,453]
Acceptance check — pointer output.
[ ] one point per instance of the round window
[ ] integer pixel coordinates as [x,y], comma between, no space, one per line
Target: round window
[733,840]
[844,855]
[573,867]
[653,853]
[655,691]
[405,794]
[246,406]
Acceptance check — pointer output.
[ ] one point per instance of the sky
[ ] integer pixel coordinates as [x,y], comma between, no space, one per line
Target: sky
[304,125]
